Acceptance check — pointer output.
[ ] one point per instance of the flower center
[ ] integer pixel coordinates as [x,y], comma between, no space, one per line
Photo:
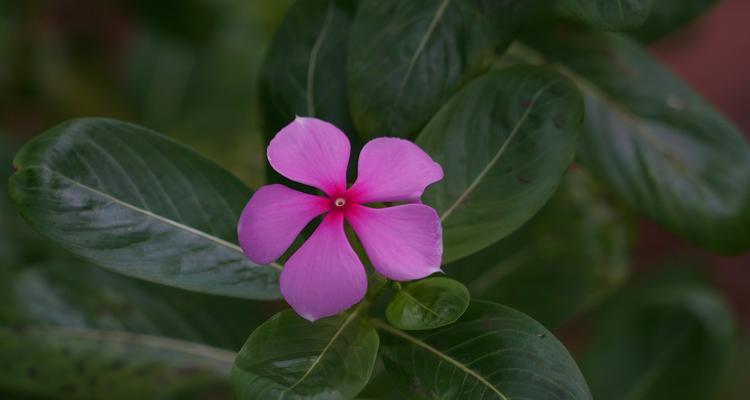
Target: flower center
[339,202]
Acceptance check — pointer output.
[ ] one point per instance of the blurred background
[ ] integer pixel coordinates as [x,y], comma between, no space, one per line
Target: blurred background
[188,68]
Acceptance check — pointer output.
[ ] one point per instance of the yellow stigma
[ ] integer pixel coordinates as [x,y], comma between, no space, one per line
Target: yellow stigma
[339,202]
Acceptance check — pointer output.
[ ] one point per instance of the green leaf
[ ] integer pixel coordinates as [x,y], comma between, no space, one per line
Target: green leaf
[670,15]
[492,352]
[428,304]
[138,203]
[504,143]
[77,295]
[609,15]
[666,339]
[407,58]
[568,258]
[303,72]
[655,142]
[54,363]
[291,357]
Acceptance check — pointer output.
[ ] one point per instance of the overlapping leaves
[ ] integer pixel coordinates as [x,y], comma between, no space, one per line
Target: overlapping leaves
[655,142]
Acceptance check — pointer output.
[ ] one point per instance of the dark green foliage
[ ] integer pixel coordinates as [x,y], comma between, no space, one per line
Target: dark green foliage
[428,304]
[568,258]
[655,142]
[406,59]
[492,352]
[504,143]
[70,293]
[666,339]
[670,15]
[66,363]
[289,357]
[140,204]
[609,15]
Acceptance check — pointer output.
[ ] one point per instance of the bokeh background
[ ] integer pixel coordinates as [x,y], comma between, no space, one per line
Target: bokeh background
[188,68]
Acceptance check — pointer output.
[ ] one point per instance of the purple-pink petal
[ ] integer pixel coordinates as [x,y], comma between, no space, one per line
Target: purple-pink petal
[392,169]
[312,152]
[403,242]
[325,276]
[273,218]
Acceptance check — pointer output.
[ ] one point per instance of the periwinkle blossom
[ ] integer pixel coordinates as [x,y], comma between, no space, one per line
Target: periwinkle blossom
[325,276]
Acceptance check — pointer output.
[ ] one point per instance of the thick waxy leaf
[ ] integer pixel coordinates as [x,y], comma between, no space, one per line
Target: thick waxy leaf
[492,352]
[661,147]
[609,15]
[77,295]
[406,58]
[289,357]
[304,71]
[58,363]
[504,143]
[140,204]
[566,259]
[667,340]
[670,15]
[427,304]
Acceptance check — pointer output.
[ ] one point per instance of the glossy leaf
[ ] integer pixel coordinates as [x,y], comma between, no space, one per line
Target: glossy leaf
[140,204]
[303,72]
[427,304]
[290,357]
[568,258]
[609,15]
[665,339]
[492,352]
[670,15]
[58,363]
[656,143]
[504,143]
[406,58]
[77,295]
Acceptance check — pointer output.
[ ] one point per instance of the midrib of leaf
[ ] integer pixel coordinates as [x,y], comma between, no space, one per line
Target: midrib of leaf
[649,377]
[419,303]
[497,155]
[312,62]
[635,121]
[150,214]
[323,352]
[420,47]
[403,335]
[129,338]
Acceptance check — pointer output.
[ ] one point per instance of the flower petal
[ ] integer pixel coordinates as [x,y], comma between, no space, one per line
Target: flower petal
[273,217]
[325,276]
[392,169]
[403,242]
[312,152]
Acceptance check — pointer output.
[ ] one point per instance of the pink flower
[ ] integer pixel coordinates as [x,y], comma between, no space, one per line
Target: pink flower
[325,276]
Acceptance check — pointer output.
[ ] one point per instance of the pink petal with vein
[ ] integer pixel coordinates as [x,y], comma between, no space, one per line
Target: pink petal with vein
[403,242]
[273,217]
[392,169]
[325,276]
[312,152]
